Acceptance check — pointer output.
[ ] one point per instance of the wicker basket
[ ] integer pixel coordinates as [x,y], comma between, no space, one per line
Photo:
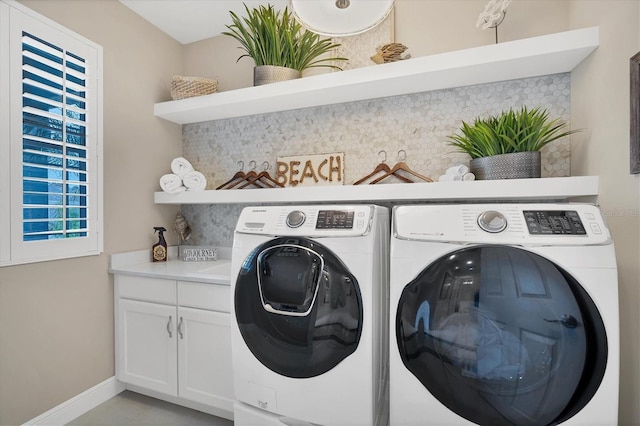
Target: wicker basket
[187,87]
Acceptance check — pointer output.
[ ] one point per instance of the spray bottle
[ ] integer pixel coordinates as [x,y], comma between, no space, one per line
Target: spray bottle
[159,249]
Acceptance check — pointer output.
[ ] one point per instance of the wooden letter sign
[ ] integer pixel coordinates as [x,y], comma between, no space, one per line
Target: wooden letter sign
[307,170]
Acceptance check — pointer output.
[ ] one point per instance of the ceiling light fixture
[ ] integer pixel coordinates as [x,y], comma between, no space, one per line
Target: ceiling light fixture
[338,18]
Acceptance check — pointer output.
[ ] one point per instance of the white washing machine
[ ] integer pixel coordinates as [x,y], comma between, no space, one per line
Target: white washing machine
[309,329]
[503,314]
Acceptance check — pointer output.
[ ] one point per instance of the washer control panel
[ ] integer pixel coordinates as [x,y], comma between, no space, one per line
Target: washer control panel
[329,220]
[335,219]
[553,222]
[536,224]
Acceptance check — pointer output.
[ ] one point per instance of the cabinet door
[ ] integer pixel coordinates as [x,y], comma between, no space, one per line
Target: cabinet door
[147,345]
[205,370]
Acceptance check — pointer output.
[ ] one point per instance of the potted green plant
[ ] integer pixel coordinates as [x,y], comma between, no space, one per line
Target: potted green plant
[275,40]
[507,145]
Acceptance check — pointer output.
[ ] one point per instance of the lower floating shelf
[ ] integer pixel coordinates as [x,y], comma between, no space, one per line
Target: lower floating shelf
[560,188]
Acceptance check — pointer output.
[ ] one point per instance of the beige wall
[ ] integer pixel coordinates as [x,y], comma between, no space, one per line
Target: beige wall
[56,333]
[56,318]
[600,104]
[436,26]
[426,27]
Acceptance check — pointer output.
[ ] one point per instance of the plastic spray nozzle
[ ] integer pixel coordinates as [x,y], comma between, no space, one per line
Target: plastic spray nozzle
[159,229]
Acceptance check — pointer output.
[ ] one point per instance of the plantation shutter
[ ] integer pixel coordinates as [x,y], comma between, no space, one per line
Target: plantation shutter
[55,143]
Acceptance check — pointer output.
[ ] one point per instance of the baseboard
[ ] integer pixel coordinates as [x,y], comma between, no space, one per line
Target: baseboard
[79,404]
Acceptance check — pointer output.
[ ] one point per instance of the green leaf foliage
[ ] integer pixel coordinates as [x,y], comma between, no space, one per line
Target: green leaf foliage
[272,37]
[511,131]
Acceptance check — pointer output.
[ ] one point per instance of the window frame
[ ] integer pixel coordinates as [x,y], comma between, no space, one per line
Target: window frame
[14,19]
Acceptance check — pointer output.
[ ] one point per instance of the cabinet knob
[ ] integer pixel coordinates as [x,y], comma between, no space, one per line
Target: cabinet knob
[169,327]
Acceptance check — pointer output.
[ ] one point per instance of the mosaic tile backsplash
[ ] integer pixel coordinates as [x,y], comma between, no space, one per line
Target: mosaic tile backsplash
[411,128]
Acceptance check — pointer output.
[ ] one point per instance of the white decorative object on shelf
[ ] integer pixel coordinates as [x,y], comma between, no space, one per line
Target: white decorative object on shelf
[559,188]
[493,14]
[549,54]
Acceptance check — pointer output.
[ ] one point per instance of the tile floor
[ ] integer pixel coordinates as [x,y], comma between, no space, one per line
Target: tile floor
[132,409]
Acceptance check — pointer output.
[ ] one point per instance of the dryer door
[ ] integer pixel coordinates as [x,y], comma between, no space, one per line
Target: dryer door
[298,307]
[501,335]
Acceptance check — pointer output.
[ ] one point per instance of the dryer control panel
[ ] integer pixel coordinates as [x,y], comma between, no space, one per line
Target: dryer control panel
[553,222]
[320,221]
[538,224]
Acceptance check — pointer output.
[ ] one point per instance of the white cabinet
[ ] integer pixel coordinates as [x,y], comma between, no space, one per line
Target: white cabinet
[147,351]
[173,337]
[204,357]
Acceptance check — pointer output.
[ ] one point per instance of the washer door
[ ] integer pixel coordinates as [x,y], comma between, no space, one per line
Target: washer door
[502,336]
[298,307]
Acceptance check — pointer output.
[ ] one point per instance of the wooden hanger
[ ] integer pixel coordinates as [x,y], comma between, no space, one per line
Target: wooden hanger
[402,167]
[383,167]
[263,179]
[237,177]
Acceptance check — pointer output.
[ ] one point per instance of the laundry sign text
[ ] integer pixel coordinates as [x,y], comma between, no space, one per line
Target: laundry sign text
[308,170]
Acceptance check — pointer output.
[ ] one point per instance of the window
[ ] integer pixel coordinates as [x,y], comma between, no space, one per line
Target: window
[51,140]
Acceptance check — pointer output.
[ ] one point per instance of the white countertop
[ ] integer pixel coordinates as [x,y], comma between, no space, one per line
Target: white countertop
[139,264]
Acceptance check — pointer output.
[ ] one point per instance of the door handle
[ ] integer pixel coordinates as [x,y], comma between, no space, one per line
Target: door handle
[568,321]
[169,327]
[181,328]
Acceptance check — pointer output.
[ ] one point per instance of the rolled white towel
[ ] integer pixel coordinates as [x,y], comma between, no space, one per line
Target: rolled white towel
[449,178]
[195,181]
[171,183]
[468,177]
[181,166]
[457,170]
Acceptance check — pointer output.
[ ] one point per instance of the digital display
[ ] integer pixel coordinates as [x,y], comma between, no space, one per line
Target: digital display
[335,219]
[554,222]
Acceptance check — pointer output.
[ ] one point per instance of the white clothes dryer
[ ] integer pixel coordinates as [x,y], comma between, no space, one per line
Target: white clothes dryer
[309,329]
[503,314]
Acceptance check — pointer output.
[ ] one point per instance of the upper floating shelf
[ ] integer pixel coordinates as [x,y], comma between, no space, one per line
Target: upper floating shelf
[557,188]
[549,54]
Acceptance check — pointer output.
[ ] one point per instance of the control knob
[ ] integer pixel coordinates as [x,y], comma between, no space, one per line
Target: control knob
[492,221]
[295,219]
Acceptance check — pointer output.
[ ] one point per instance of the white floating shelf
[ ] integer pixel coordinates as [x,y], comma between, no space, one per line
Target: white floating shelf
[561,188]
[549,54]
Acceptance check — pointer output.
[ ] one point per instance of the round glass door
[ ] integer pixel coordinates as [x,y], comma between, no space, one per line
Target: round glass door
[502,336]
[298,307]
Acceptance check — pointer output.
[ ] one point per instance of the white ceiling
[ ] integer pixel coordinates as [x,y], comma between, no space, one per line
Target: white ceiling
[192,20]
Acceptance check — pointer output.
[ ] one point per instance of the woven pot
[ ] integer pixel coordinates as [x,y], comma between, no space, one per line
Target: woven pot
[266,74]
[519,165]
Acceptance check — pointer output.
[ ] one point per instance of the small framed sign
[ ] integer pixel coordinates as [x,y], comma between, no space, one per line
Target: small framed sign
[309,170]
[198,253]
